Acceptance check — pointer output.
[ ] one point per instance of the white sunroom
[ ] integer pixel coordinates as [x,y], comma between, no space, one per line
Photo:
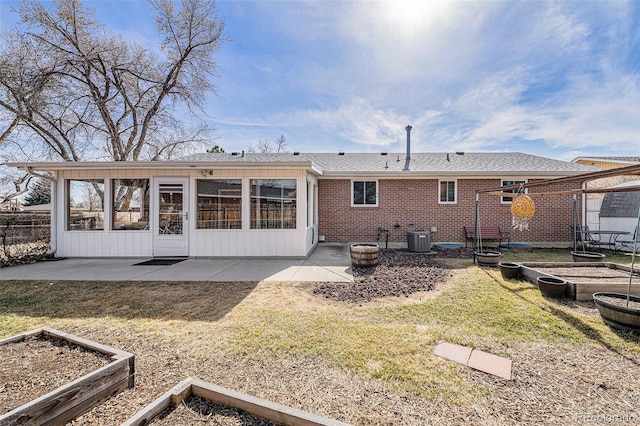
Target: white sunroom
[182,208]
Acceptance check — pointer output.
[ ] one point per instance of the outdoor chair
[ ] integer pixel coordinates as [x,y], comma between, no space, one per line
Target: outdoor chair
[627,244]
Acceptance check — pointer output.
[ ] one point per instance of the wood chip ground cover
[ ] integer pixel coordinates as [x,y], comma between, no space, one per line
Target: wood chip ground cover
[38,365]
[196,410]
[396,275]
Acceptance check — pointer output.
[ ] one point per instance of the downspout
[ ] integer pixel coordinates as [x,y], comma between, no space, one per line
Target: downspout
[53,239]
[408,158]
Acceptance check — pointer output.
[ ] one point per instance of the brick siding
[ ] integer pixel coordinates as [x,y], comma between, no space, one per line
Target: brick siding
[405,204]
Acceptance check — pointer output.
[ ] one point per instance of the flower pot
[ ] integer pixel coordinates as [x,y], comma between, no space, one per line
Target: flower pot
[364,255]
[587,256]
[487,258]
[551,286]
[509,271]
[615,313]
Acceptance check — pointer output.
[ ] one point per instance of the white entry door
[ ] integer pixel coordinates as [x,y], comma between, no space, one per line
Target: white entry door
[171,233]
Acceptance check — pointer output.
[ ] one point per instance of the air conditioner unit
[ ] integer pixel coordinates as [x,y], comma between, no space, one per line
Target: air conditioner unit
[419,241]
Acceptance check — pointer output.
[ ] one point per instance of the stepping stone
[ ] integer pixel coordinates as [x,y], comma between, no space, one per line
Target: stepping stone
[476,359]
[453,352]
[489,363]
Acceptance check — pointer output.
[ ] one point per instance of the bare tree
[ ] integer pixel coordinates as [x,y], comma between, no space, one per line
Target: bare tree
[266,145]
[82,92]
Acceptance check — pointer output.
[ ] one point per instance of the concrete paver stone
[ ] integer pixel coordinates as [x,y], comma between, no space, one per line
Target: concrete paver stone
[489,363]
[453,352]
[476,359]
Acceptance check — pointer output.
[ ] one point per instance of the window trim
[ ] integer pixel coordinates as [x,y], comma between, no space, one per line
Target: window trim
[365,181]
[513,181]
[455,191]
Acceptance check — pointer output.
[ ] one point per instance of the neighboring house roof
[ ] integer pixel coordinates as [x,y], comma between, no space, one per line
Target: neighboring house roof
[485,164]
[621,204]
[607,162]
[37,208]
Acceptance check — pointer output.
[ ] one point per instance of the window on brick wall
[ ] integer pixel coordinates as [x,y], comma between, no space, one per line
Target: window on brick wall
[507,200]
[364,193]
[448,192]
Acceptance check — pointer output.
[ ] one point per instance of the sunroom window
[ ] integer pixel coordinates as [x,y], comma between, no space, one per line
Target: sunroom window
[130,204]
[273,203]
[219,204]
[85,204]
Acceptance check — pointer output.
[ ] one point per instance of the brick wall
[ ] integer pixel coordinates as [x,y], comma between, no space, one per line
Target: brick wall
[405,204]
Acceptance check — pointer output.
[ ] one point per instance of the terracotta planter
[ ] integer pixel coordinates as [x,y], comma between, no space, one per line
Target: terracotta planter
[364,255]
[615,313]
[587,256]
[509,271]
[551,286]
[488,258]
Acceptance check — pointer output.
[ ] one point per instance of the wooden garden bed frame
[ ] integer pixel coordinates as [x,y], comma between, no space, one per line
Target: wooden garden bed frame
[577,289]
[255,406]
[69,401]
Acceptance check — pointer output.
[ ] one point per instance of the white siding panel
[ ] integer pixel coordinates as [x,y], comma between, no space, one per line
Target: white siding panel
[232,246]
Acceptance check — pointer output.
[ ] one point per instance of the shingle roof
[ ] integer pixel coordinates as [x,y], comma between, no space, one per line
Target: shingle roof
[484,163]
[620,204]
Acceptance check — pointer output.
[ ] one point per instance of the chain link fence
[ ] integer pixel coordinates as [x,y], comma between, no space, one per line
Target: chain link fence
[24,237]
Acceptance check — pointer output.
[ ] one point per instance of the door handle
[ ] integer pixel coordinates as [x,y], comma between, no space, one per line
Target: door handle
[186,215]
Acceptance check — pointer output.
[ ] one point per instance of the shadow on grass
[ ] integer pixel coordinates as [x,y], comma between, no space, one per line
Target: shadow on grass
[573,320]
[190,301]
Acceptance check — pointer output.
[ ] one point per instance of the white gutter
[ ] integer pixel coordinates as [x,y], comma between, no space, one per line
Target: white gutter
[79,165]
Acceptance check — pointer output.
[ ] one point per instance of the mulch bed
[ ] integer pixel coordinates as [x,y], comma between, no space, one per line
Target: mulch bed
[196,410]
[36,366]
[397,274]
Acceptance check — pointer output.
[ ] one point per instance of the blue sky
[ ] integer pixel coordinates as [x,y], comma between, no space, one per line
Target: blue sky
[557,79]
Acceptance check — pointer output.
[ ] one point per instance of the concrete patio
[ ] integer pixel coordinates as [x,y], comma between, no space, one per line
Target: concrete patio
[327,263]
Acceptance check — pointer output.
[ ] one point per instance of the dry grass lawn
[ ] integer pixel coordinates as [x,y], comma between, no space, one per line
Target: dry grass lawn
[369,364]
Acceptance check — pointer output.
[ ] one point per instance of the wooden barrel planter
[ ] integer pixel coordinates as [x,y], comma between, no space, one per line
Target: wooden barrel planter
[509,271]
[615,313]
[551,286]
[364,255]
[587,256]
[487,258]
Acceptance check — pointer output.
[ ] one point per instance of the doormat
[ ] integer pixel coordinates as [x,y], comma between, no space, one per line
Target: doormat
[158,262]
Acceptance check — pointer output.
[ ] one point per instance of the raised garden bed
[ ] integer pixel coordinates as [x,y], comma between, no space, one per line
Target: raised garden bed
[585,278]
[111,370]
[259,410]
